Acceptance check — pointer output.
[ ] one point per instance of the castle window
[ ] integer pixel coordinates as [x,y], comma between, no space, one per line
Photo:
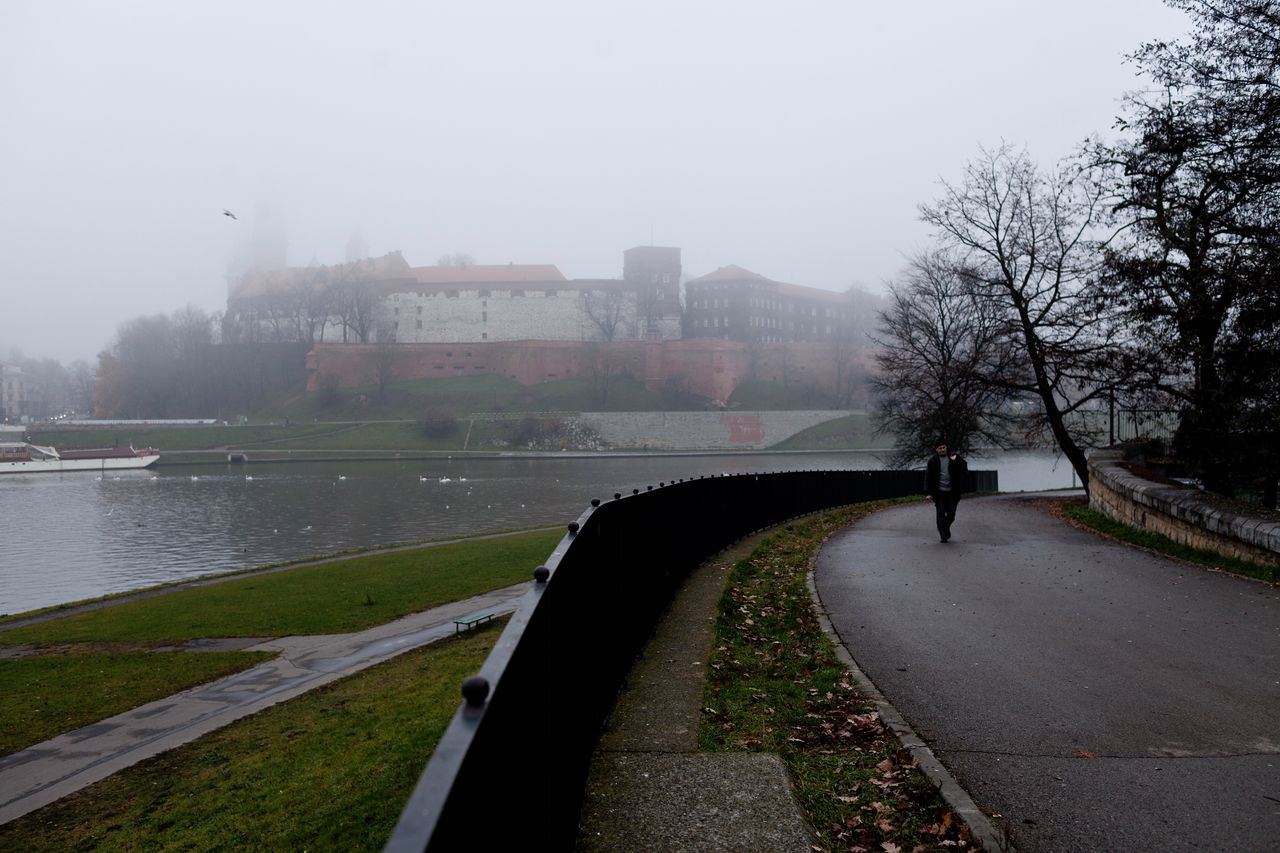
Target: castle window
[397,310]
[484,336]
[484,293]
[549,293]
[419,310]
[419,324]
[484,316]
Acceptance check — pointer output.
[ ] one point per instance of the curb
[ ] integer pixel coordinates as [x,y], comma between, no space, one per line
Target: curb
[955,796]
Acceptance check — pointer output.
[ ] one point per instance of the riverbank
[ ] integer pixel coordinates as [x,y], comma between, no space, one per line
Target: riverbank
[516,433]
[332,768]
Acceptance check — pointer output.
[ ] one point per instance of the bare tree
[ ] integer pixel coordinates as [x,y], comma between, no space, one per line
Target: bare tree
[1030,240]
[383,366]
[944,362]
[352,297]
[82,382]
[456,259]
[604,308]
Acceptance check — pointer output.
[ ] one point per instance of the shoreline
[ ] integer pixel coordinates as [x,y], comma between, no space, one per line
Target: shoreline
[292,456]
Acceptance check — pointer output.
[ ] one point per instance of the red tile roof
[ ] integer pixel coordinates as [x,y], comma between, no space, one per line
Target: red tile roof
[486,274]
[731,273]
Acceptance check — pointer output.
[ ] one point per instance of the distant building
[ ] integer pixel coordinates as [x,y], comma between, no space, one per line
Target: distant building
[14,393]
[652,273]
[735,304]
[381,300]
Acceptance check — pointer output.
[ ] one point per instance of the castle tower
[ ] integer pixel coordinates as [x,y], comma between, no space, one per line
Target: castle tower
[356,248]
[654,273]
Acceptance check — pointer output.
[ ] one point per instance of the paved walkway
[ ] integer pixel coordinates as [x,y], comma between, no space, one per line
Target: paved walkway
[650,790]
[51,770]
[1094,696]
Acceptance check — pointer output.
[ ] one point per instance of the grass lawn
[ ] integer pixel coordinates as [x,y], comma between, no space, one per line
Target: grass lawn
[329,770]
[398,435]
[851,432]
[776,685]
[347,595]
[46,695]
[465,395]
[755,395]
[1094,520]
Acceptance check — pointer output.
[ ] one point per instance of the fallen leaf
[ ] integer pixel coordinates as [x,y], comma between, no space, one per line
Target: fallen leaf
[1084,753]
[890,847]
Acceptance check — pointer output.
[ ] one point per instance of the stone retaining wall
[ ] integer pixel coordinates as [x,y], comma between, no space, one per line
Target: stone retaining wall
[702,430]
[1178,513]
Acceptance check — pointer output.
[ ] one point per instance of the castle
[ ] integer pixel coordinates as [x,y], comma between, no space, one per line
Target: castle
[530,323]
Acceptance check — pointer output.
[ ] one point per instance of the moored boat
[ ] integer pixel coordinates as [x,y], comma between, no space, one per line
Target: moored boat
[25,458]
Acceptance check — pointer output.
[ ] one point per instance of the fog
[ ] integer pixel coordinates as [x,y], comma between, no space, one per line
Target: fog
[795,139]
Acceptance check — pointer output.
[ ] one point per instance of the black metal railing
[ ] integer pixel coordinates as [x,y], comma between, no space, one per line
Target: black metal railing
[1138,424]
[510,770]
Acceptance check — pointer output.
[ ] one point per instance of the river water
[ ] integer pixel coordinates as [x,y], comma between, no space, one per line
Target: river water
[69,537]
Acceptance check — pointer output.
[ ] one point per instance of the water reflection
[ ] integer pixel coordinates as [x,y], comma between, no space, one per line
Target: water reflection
[75,536]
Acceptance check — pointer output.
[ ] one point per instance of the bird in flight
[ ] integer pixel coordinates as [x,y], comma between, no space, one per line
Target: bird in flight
[226,212]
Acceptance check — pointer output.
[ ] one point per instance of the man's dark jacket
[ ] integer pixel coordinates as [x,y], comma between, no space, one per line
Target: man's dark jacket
[959,475]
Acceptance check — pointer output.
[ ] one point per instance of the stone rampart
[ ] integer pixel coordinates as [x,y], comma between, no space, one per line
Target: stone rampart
[1179,513]
[707,367]
[701,430]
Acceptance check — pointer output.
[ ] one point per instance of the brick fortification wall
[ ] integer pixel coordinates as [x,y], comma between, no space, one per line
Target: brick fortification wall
[707,367]
[1178,513]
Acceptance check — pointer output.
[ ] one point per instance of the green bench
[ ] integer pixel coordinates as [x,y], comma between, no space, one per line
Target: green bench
[471,621]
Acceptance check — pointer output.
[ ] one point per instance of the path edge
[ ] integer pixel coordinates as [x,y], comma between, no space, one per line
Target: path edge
[952,793]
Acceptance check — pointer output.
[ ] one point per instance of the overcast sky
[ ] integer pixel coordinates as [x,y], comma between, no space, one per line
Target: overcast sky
[794,139]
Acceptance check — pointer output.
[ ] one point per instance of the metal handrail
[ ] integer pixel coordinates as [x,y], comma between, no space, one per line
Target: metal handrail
[510,769]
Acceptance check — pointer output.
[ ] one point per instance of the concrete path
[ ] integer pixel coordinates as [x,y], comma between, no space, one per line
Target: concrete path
[1094,696]
[650,790]
[48,771]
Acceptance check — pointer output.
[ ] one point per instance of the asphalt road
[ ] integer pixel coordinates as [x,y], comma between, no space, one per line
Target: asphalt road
[1094,696]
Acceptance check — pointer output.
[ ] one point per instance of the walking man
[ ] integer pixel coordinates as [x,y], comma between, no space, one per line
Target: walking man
[944,478]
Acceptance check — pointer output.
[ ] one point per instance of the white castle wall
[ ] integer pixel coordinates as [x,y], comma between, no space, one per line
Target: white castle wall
[542,313]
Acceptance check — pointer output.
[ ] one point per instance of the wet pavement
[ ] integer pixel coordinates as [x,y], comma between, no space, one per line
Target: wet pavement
[1092,695]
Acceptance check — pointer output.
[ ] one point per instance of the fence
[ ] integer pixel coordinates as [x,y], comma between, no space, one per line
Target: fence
[1132,424]
[510,769]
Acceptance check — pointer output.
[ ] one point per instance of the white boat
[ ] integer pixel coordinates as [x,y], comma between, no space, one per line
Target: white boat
[24,458]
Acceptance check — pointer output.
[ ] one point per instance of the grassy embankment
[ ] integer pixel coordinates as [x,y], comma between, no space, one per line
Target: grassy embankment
[329,770]
[1080,512]
[488,410]
[95,664]
[776,685]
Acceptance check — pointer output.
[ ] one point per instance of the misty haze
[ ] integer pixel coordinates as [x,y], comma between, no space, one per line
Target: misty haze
[795,144]
[504,425]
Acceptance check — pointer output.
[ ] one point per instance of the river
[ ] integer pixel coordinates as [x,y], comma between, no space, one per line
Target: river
[70,537]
